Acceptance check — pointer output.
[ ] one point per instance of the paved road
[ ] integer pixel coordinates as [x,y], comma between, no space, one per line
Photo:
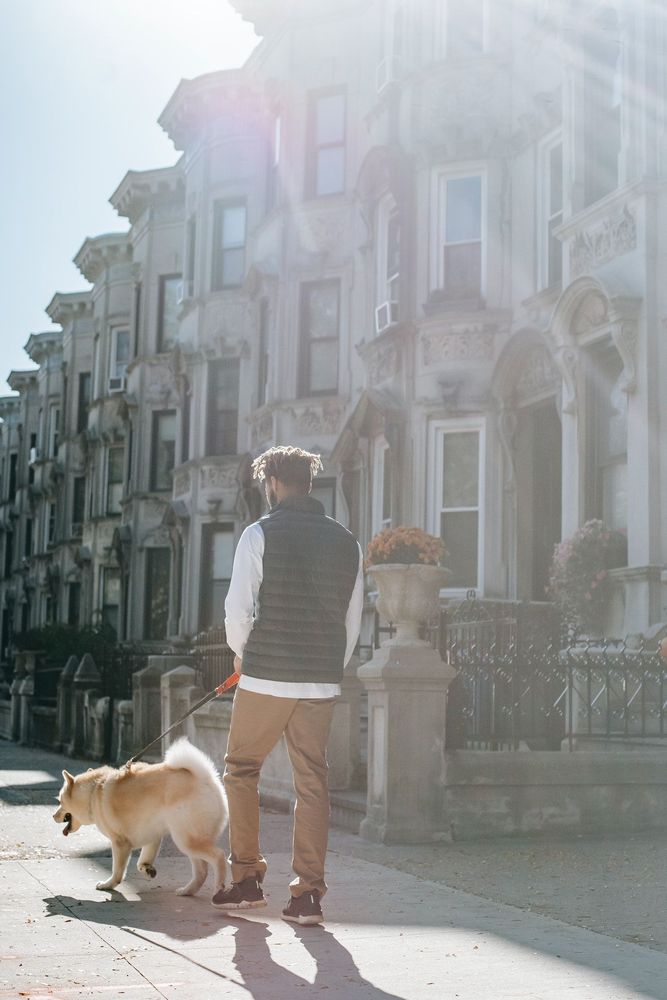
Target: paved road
[390,932]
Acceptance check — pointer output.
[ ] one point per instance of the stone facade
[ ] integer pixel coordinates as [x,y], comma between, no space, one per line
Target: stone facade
[430,252]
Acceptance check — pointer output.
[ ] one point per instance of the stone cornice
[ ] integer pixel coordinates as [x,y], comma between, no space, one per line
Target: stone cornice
[196,102]
[9,404]
[40,345]
[18,380]
[67,306]
[98,252]
[141,188]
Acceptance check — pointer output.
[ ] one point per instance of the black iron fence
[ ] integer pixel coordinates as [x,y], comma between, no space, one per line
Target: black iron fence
[214,660]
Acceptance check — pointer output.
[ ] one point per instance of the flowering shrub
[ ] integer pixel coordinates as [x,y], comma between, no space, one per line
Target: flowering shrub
[579,580]
[404,545]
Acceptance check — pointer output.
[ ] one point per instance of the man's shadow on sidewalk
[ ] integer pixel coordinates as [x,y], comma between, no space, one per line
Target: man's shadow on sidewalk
[265,979]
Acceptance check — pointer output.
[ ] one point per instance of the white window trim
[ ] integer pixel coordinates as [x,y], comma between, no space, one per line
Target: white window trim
[437,429]
[113,362]
[380,449]
[386,207]
[543,194]
[441,28]
[438,217]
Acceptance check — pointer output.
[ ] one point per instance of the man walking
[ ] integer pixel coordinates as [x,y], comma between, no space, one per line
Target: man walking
[293,614]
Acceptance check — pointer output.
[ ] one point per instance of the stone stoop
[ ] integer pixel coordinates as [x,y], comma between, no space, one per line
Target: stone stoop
[348,808]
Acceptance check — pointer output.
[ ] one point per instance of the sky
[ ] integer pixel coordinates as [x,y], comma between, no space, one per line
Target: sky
[82,83]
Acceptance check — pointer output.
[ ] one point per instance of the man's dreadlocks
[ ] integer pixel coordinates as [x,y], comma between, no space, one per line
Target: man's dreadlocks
[292,466]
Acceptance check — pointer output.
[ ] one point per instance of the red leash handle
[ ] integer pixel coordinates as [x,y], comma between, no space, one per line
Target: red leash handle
[228,684]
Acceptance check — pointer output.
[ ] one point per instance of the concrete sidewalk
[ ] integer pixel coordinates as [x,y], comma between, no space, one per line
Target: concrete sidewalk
[388,933]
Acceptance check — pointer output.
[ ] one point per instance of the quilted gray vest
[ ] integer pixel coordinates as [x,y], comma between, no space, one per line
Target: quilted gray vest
[310,568]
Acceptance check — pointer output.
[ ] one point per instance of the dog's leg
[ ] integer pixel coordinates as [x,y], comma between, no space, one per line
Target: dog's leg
[120,854]
[145,861]
[199,873]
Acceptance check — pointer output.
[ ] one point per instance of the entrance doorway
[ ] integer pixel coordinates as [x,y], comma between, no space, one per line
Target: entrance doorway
[538,477]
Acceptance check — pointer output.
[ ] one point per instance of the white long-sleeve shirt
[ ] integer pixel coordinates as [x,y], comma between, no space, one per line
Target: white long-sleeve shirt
[247,575]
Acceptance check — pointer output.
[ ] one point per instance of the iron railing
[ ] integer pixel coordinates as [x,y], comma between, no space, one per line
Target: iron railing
[214,660]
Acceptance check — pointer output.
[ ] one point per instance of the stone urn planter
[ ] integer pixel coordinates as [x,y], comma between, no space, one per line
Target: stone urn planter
[408,596]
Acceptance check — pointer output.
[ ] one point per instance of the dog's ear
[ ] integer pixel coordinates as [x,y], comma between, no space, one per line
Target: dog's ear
[68,778]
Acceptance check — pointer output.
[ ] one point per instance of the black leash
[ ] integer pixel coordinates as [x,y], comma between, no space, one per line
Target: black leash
[221,689]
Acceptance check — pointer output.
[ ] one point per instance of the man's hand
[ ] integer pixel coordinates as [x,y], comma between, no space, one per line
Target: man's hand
[238,664]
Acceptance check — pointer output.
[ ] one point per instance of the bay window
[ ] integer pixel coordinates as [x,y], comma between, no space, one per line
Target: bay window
[325,167]
[457,460]
[320,319]
[381,493]
[163,450]
[223,406]
[388,265]
[459,256]
[229,239]
[114,480]
[167,321]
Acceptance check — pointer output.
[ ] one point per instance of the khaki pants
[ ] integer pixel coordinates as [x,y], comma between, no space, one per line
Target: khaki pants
[258,722]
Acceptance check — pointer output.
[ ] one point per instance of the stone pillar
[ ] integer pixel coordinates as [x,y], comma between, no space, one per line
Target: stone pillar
[146,698]
[343,749]
[176,689]
[407,696]
[64,704]
[87,677]
[26,693]
[124,712]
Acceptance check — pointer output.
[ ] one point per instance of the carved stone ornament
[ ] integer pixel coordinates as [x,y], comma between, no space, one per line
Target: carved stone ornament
[567,361]
[262,429]
[318,419]
[537,375]
[182,483]
[383,361]
[457,345]
[591,315]
[223,477]
[612,238]
[325,231]
[161,384]
[625,337]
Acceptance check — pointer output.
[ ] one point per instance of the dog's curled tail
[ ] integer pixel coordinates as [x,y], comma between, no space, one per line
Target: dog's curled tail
[183,754]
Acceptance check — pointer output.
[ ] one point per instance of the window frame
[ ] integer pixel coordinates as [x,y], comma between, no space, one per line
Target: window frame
[176,277]
[441,175]
[378,521]
[220,206]
[436,432]
[83,400]
[442,33]
[304,387]
[216,431]
[109,482]
[207,559]
[155,441]
[544,214]
[387,287]
[313,148]
[150,560]
[113,357]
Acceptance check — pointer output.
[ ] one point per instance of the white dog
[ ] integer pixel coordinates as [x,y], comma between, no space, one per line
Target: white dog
[136,805]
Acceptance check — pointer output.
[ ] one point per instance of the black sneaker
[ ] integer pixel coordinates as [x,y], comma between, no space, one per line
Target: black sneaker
[304,909]
[245,895]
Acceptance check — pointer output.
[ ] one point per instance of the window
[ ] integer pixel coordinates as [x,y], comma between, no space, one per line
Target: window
[263,361]
[13,464]
[381,485]
[190,258]
[110,597]
[602,106]
[273,186]
[458,464]
[9,553]
[326,147]
[114,480]
[320,308]
[229,236]
[223,406]
[156,595]
[607,406]
[460,257]
[186,406]
[163,450]
[551,211]
[78,505]
[74,604]
[217,562]
[54,427]
[138,291]
[324,490]
[167,322]
[27,541]
[388,263]
[464,28]
[50,523]
[83,401]
[120,352]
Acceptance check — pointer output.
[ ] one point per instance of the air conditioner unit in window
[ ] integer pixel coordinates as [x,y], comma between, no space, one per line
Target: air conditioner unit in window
[388,71]
[117,383]
[34,456]
[186,290]
[385,316]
